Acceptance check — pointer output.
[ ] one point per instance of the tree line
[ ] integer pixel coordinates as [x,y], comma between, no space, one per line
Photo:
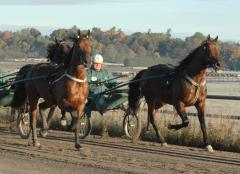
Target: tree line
[137,49]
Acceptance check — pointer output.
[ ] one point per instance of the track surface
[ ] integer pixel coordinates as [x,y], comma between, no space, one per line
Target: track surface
[107,155]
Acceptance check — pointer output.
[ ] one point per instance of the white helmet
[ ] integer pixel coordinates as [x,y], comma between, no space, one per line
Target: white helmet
[98,59]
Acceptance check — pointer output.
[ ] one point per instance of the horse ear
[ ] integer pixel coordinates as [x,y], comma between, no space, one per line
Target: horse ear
[79,33]
[208,38]
[88,33]
[216,39]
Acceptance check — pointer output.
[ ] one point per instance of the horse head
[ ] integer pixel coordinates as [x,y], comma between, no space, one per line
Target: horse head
[59,52]
[51,49]
[211,51]
[82,49]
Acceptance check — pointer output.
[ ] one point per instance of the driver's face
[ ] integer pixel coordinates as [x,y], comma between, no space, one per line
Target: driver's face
[97,66]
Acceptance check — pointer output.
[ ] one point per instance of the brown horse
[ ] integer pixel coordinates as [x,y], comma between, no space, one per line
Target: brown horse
[180,86]
[69,87]
[57,54]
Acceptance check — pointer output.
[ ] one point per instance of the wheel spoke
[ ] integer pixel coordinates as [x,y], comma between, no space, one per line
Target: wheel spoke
[84,126]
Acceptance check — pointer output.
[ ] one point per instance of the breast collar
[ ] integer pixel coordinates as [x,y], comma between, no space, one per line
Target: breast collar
[198,86]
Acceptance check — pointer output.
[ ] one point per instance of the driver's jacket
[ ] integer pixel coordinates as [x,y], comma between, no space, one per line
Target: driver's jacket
[99,81]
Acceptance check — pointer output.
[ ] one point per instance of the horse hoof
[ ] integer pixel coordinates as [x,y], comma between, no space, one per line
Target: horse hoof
[63,123]
[36,144]
[164,144]
[43,133]
[78,146]
[209,148]
[175,127]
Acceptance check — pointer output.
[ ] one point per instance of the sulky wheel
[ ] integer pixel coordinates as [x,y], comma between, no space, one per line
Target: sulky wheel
[23,121]
[132,125]
[85,126]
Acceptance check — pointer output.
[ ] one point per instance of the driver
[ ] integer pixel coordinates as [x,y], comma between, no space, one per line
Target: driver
[99,80]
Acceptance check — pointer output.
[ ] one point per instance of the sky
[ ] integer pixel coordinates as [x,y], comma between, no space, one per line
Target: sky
[183,17]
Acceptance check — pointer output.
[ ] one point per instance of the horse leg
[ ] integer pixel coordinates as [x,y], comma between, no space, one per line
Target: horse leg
[152,118]
[76,118]
[72,125]
[12,119]
[63,118]
[33,121]
[182,113]
[42,108]
[201,116]
[50,114]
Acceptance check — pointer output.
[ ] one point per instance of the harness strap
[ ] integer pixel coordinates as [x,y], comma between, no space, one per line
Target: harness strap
[198,86]
[75,79]
[59,78]
[70,77]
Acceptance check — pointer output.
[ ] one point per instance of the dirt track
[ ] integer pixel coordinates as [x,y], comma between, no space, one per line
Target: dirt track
[57,155]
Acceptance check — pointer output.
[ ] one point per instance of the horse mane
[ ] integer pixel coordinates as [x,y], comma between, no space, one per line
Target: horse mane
[72,40]
[68,58]
[185,62]
[161,66]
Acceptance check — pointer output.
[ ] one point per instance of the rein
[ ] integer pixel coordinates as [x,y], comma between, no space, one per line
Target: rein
[135,81]
[198,86]
[189,79]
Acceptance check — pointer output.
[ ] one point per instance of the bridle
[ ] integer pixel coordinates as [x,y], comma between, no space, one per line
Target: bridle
[80,54]
[211,60]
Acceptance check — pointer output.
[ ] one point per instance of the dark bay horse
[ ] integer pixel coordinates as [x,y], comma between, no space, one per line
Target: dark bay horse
[180,86]
[58,51]
[69,87]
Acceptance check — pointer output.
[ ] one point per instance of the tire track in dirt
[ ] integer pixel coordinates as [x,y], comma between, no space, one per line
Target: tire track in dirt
[118,155]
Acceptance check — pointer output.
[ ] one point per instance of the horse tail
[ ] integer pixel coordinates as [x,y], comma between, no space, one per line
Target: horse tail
[134,93]
[20,94]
